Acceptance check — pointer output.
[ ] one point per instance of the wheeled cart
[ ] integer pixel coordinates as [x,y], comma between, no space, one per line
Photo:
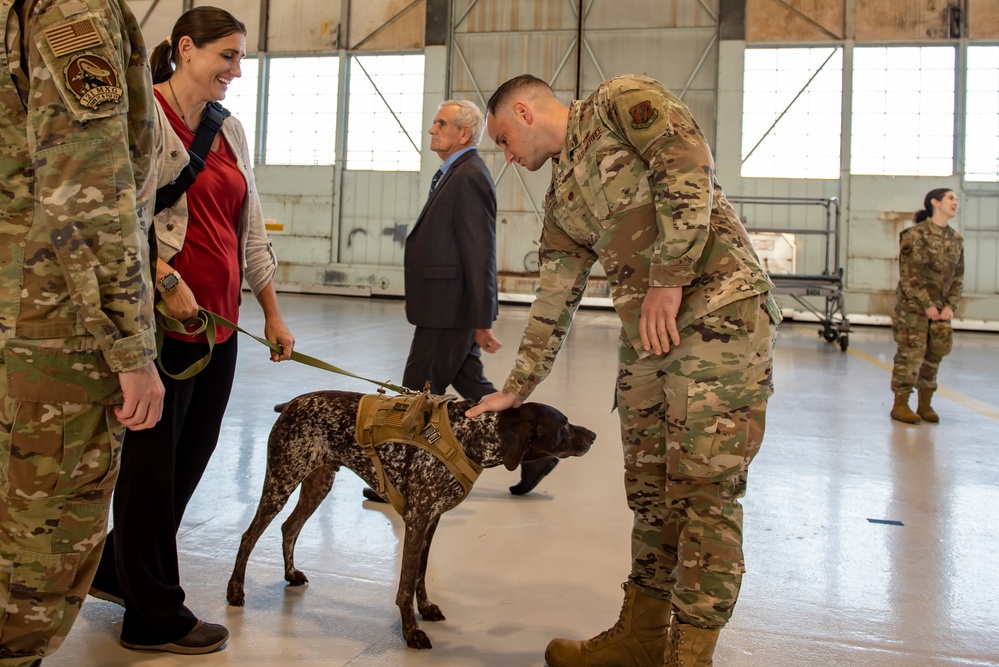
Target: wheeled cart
[793,221]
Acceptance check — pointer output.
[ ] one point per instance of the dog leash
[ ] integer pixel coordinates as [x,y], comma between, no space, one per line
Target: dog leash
[207,322]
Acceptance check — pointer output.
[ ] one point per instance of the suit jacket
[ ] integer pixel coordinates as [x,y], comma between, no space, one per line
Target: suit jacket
[450,257]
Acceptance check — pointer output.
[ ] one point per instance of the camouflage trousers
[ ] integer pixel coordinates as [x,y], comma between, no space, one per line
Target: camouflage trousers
[922,344]
[691,422]
[58,466]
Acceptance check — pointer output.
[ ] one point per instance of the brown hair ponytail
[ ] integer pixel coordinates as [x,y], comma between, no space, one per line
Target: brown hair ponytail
[203,25]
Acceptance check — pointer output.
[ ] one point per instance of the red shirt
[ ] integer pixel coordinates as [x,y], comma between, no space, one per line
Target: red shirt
[209,259]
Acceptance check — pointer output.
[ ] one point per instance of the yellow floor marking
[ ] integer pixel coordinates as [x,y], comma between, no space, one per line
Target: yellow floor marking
[973,404]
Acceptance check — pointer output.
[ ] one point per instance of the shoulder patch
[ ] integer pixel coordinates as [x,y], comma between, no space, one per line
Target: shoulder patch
[93,80]
[72,37]
[643,115]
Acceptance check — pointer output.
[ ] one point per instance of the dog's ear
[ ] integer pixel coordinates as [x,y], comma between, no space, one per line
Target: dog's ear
[523,436]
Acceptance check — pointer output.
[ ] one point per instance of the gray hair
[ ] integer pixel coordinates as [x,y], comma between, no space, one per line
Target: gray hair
[469,115]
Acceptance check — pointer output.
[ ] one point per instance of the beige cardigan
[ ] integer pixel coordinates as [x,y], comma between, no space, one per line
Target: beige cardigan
[256,256]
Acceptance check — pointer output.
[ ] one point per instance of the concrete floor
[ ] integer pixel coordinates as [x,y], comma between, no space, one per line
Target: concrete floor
[827,584]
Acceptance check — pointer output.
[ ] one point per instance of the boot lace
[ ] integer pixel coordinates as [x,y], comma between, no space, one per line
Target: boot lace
[617,627]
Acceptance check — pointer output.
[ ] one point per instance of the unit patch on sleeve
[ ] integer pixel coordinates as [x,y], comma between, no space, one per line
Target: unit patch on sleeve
[93,80]
[643,115]
[71,37]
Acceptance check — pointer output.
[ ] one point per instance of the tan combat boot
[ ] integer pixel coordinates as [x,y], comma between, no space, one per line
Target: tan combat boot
[923,409]
[901,410]
[690,646]
[638,639]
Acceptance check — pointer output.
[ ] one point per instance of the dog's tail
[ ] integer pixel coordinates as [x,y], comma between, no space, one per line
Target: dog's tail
[280,407]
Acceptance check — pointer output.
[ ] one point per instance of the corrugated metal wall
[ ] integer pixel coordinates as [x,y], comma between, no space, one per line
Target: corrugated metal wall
[343,230]
[574,45]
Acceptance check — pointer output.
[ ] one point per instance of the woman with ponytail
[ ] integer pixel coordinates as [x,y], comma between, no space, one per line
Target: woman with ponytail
[208,241]
[931,279]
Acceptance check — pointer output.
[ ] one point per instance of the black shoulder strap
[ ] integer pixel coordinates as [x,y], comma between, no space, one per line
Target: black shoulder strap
[211,122]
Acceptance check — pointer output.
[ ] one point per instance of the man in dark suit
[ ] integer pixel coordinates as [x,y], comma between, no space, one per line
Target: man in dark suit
[450,269]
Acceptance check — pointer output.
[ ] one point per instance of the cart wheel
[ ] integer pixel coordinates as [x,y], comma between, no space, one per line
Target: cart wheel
[829,334]
[844,342]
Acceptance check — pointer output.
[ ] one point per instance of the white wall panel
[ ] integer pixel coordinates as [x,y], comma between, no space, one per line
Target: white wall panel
[300,201]
[377,214]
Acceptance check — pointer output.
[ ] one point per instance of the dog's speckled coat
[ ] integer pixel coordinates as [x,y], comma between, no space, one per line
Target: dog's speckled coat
[314,436]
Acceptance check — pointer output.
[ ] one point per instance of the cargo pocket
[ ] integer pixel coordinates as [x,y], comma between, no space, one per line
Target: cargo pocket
[54,375]
[40,573]
[39,610]
[63,421]
[713,434]
[710,566]
[82,524]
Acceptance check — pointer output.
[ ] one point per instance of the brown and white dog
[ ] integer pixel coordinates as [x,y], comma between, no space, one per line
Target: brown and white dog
[314,437]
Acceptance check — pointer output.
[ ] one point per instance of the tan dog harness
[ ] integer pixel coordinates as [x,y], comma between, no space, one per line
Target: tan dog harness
[419,419]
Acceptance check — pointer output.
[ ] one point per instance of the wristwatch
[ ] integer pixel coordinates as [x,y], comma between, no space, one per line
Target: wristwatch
[169,282]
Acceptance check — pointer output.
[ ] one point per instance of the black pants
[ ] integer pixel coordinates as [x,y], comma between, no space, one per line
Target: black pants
[446,357]
[160,469]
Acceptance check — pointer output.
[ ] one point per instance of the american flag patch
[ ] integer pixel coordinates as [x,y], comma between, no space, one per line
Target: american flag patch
[72,37]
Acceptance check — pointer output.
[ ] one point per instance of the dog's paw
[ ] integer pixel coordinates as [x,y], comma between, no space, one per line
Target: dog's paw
[431,612]
[296,578]
[418,639]
[234,595]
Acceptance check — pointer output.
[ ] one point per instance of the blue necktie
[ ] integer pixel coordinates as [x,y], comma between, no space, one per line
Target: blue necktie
[437,178]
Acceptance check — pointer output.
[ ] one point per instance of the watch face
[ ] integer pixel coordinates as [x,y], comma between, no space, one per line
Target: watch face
[169,282]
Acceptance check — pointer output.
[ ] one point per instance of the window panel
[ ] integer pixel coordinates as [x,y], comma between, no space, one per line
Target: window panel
[906,95]
[982,123]
[792,113]
[301,110]
[385,112]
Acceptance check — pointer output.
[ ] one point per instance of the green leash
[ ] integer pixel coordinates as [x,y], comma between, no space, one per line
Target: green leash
[207,322]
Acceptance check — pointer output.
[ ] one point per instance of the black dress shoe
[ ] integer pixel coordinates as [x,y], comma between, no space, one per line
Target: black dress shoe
[372,495]
[531,473]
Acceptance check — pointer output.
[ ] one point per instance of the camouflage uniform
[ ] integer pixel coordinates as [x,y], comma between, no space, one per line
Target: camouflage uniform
[931,267]
[635,188]
[75,300]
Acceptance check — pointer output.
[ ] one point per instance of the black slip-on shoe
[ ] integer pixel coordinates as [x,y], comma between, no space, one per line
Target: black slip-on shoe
[204,638]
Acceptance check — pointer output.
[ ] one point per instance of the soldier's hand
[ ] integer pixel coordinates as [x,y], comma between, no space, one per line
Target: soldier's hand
[658,322]
[487,341]
[143,393]
[497,402]
[947,314]
[933,313]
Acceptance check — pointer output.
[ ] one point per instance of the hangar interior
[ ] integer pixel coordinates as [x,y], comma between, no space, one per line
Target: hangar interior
[868,542]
